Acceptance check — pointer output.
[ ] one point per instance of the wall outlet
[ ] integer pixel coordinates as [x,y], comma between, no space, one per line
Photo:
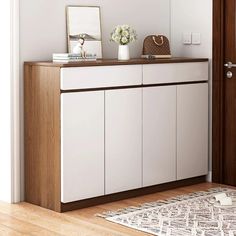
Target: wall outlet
[196,38]
[187,38]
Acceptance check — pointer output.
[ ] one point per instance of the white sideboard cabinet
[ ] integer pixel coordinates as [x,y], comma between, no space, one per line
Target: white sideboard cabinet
[108,130]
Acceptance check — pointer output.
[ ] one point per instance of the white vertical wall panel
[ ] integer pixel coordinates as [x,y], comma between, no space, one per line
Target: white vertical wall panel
[6,138]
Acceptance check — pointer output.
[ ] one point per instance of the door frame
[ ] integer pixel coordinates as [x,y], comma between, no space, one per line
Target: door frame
[15,103]
[218,91]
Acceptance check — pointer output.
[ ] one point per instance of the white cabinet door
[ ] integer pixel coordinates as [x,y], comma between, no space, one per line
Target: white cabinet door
[159,135]
[82,145]
[123,139]
[192,130]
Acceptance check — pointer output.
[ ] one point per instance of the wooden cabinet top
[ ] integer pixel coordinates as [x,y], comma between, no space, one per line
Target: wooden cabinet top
[113,62]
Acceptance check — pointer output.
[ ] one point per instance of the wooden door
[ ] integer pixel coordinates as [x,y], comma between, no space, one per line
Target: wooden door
[123,140]
[159,135]
[192,130]
[229,87]
[82,145]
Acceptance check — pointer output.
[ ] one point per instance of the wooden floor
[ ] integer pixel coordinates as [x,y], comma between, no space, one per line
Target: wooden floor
[26,219]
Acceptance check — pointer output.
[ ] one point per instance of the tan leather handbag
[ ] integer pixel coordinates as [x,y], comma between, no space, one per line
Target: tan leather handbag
[156,46]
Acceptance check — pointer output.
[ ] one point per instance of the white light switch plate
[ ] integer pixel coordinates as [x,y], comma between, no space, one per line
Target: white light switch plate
[196,38]
[187,38]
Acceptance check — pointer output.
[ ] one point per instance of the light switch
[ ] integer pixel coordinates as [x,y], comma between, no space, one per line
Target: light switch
[187,38]
[196,38]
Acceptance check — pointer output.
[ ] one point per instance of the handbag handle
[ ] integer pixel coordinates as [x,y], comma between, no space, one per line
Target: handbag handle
[158,44]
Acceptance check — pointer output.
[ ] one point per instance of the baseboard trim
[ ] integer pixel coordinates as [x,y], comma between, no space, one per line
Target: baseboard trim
[209,177]
[130,194]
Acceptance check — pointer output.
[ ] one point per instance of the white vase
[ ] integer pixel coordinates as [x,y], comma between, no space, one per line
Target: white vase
[123,53]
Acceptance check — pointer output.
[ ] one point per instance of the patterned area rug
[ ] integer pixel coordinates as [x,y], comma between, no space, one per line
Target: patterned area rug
[186,215]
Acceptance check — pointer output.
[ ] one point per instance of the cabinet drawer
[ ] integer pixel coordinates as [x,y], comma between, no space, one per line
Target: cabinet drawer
[100,77]
[174,73]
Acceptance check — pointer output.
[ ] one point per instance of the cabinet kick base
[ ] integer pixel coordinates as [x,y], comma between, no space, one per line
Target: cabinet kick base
[130,194]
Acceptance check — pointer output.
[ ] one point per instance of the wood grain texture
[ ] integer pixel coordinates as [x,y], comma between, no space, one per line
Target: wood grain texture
[224,109]
[217,87]
[113,62]
[42,136]
[26,219]
[229,136]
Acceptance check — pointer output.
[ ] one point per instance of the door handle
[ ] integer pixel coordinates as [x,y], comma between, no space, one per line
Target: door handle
[230,65]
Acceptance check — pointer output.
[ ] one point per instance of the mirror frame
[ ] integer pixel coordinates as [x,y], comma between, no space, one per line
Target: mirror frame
[68,22]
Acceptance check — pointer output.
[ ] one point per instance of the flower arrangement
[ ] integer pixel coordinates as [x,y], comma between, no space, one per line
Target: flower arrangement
[123,35]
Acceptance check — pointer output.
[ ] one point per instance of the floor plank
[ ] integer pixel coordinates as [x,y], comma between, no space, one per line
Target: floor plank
[27,219]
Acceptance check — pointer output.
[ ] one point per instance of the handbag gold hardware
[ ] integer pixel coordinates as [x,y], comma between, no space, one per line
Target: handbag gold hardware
[158,44]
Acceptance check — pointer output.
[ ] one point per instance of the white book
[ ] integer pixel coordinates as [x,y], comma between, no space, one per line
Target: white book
[72,55]
[66,55]
[74,60]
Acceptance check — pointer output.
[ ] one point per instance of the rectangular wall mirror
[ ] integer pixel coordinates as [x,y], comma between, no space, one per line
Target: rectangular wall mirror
[84,22]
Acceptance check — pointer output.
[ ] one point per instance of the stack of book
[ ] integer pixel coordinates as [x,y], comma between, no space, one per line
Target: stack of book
[72,57]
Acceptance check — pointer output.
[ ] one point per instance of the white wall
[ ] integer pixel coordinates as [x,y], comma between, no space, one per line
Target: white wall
[43,26]
[43,29]
[5,104]
[193,16]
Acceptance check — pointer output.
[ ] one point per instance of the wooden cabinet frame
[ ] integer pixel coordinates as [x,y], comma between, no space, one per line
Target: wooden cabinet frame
[42,135]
